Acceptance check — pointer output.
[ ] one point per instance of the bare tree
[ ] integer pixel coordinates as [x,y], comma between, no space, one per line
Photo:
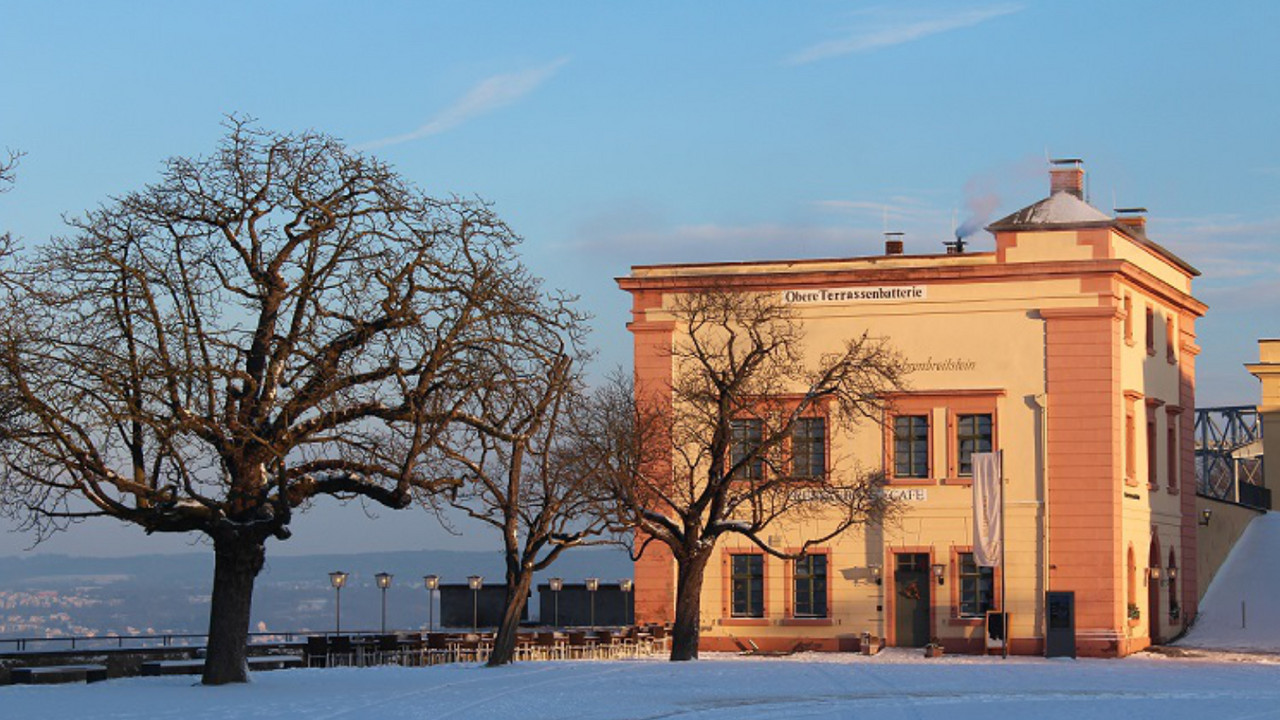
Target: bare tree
[728,447]
[280,321]
[525,473]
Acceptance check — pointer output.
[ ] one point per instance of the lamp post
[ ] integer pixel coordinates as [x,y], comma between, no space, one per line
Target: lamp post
[475,582]
[337,579]
[556,584]
[384,582]
[626,585]
[431,582]
[593,584]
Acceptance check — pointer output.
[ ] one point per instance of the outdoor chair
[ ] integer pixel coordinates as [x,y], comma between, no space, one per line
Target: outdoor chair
[341,651]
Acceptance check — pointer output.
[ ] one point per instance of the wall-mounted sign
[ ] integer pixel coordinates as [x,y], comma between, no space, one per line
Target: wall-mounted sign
[843,296]
[906,494]
[940,365]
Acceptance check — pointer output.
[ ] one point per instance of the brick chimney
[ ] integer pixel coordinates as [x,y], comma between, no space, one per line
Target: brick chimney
[1134,217]
[1067,174]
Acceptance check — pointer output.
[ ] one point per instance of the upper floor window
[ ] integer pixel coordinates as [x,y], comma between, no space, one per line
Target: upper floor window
[911,446]
[746,436]
[809,448]
[810,582]
[747,585]
[1170,340]
[1128,318]
[973,434]
[1151,331]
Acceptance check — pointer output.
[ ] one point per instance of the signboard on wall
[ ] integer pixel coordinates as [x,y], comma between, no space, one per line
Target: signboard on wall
[854,295]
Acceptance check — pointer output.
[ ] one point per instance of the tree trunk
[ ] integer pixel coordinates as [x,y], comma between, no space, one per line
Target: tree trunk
[236,565]
[504,645]
[685,633]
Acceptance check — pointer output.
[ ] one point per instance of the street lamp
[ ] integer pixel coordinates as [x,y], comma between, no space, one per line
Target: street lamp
[593,584]
[626,585]
[337,579]
[475,582]
[384,582]
[556,584]
[432,582]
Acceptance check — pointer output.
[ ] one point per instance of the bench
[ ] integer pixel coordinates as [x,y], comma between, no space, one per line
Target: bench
[57,674]
[195,667]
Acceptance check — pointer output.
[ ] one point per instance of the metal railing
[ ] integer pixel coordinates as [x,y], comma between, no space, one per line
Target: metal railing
[138,642]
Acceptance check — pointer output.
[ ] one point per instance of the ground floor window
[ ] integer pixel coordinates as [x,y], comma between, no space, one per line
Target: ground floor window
[811,586]
[977,587]
[747,579]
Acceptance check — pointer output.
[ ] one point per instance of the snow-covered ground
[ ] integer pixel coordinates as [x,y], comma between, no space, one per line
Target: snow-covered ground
[1214,684]
[895,684]
[1250,576]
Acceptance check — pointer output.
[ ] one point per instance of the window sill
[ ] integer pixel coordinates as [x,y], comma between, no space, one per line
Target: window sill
[1135,622]
[1172,489]
[958,481]
[1151,352]
[1130,482]
[1153,486]
[911,481]
[967,621]
[810,622]
[744,622]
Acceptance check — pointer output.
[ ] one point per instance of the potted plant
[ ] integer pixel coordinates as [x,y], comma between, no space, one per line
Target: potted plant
[1134,612]
[933,649]
[1175,611]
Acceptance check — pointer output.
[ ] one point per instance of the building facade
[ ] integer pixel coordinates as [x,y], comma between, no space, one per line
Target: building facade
[1070,348]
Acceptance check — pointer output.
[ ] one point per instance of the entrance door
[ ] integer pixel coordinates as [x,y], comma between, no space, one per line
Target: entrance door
[1153,594]
[911,586]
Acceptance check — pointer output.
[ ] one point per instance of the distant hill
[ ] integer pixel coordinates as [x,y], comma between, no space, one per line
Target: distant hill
[52,595]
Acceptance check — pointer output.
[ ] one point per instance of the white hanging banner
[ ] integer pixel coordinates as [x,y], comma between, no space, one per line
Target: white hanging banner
[987,501]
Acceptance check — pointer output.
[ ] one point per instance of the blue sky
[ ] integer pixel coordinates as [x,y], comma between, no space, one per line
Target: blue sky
[613,134]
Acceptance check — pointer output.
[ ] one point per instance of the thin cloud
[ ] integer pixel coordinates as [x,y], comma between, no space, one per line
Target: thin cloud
[893,28]
[488,95]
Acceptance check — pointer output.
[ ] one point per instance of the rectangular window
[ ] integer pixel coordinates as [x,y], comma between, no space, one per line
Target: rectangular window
[911,446]
[1171,450]
[977,587]
[1128,318]
[809,448]
[1151,331]
[973,434]
[1130,443]
[1170,349]
[811,586]
[1151,448]
[747,578]
[746,436]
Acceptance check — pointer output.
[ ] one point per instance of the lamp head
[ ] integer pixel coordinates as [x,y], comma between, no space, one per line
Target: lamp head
[337,579]
[556,584]
[383,580]
[593,584]
[431,581]
[475,582]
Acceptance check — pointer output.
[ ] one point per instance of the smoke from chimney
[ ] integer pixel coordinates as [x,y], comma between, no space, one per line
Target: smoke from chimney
[980,201]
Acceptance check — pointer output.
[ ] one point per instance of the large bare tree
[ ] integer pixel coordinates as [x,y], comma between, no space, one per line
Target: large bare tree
[281,320]
[727,448]
[526,475]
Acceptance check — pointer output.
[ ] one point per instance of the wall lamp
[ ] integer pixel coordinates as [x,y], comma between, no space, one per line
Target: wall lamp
[1173,573]
[1205,514]
[939,572]
[875,573]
